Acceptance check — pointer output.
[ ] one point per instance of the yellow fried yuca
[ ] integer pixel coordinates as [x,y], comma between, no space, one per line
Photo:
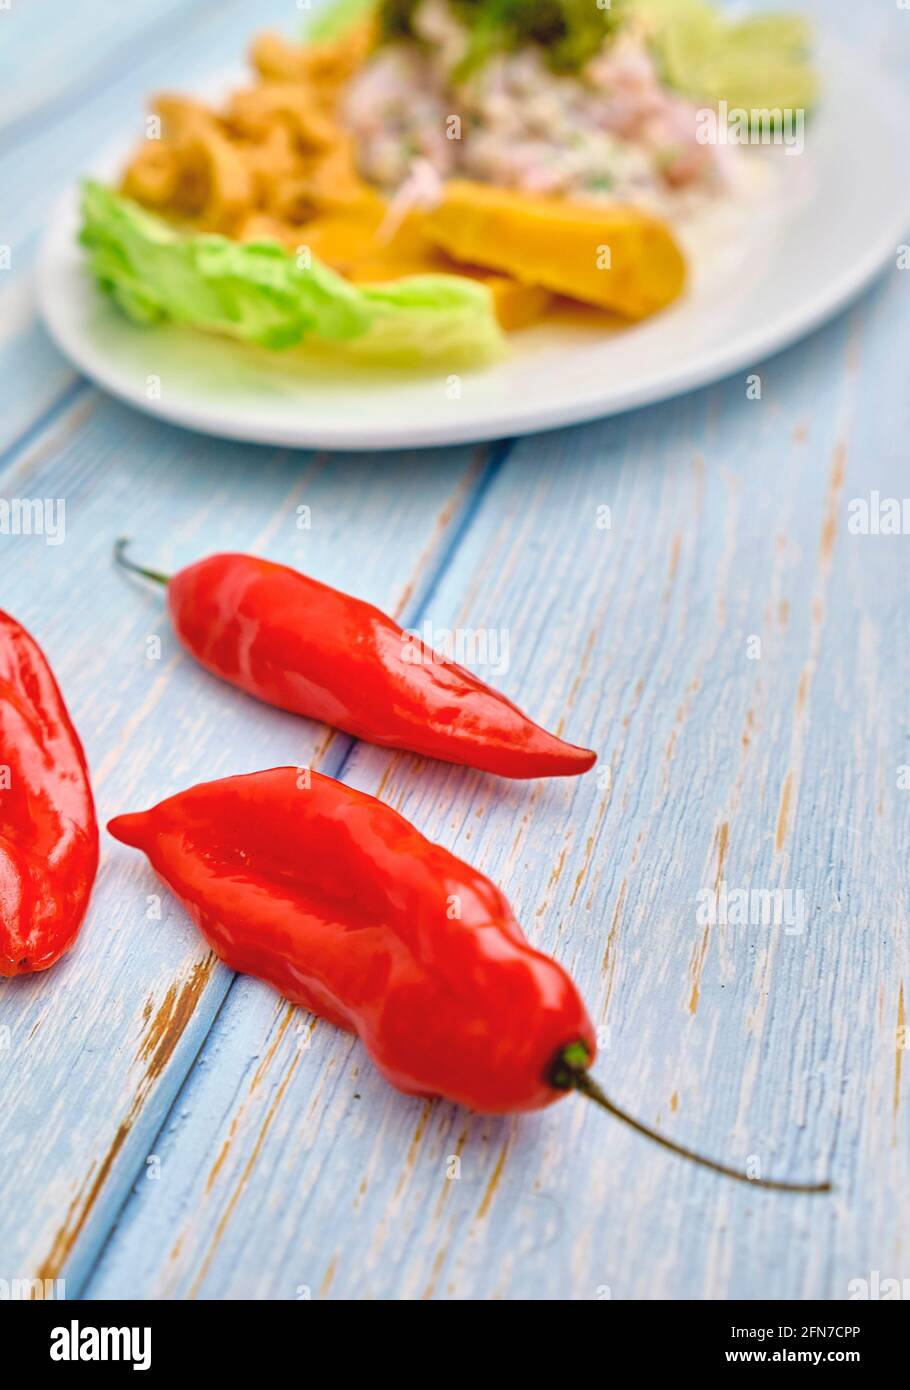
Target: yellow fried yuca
[615,257]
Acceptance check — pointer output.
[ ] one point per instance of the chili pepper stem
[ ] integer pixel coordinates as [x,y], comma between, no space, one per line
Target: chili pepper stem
[120,558]
[569,1072]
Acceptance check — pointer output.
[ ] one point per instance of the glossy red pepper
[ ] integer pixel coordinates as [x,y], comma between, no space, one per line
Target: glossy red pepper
[48,830]
[343,906]
[305,647]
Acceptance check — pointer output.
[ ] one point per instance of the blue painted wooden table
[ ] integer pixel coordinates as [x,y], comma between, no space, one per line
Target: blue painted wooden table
[738,656]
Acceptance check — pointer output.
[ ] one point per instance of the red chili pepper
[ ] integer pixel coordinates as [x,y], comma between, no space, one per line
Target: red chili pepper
[343,906]
[305,647]
[48,831]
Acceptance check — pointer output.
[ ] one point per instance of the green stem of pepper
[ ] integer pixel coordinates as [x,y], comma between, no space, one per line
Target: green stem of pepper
[569,1072]
[120,558]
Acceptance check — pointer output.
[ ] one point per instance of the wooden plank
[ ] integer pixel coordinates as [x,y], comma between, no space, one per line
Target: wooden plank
[69,49]
[728,522]
[99,1046]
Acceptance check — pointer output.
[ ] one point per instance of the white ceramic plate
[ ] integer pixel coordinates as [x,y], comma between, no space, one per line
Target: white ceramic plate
[839,213]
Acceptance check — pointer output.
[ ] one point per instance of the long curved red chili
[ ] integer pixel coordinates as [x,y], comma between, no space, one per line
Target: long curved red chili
[341,904]
[48,830]
[305,647]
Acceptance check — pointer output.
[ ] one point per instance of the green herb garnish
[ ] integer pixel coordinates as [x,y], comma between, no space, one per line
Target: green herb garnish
[570,31]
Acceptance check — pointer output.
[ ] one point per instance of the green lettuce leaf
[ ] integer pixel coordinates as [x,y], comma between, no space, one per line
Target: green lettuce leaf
[257,292]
